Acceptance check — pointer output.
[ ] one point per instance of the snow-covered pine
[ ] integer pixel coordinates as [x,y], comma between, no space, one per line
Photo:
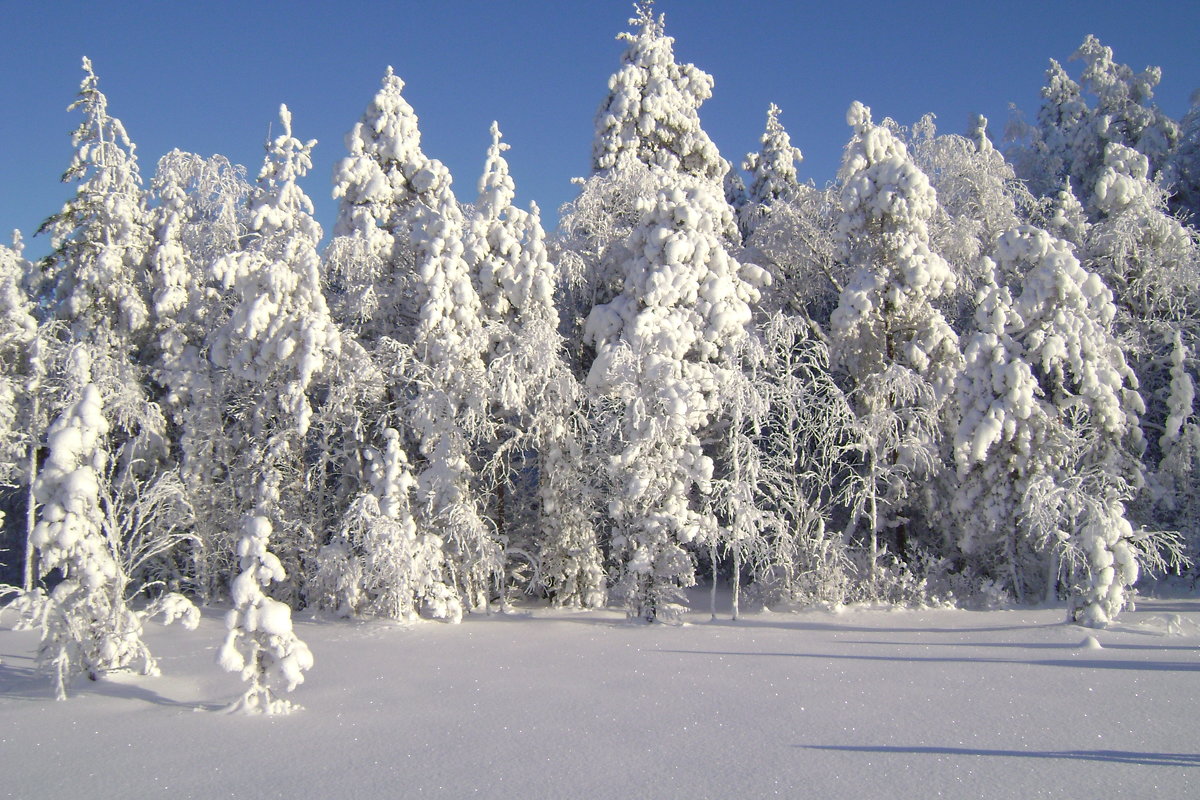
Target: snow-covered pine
[96,273]
[200,216]
[897,350]
[1071,136]
[1000,442]
[276,341]
[370,262]
[1063,320]
[650,113]
[661,348]
[772,173]
[87,624]
[260,643]
[1147,257]
[978,196]
[1182,171]
[22,371]
[534,398]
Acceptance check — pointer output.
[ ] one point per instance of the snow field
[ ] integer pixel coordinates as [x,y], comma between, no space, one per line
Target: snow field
[545,703]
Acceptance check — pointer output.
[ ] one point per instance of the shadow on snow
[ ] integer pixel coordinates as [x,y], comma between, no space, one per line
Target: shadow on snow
[1111,756]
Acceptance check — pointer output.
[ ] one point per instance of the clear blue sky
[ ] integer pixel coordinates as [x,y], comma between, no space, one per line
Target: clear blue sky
[209,75]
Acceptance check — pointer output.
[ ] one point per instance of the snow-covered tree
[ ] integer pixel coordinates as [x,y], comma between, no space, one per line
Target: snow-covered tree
[1176,479]
[662,346]
[1071,136]
[898,351]
[1053,149]
[201,216]
[380,563]
[22,370]
[650,113]
[447,407]
[1182,171]
[405,290]
[100,236]
[647,136]
[772,173]
[1125,112]
[378,185]
[276,342]
[979,197]
[1000,442]
[534,396]
[261,644]
[1064,218]
[1149,260]
[797,244]
[95,536]
[96,271]
[804,466]
[1072,451]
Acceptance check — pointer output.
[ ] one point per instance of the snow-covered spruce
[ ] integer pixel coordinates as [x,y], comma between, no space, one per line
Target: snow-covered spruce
[650,113]
[398,264]
[772,172]
[544,498]
[86,623]
[276,341]
[1074,503]
[260,644]
[660,348]
[22,372]
[380,563]
[898,351]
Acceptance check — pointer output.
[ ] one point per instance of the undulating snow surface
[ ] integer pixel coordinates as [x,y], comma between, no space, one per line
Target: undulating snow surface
[545,703]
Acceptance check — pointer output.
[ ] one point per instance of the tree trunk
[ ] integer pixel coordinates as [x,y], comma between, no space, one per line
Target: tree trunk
[712,594]
[874,514]
[30,515]
[737,581]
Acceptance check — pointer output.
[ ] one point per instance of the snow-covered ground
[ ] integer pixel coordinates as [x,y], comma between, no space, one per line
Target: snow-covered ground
[545,703]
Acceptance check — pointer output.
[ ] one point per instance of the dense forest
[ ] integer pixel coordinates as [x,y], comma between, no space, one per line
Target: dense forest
[961,372]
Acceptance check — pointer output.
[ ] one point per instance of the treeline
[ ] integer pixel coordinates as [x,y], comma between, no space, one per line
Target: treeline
[953,374]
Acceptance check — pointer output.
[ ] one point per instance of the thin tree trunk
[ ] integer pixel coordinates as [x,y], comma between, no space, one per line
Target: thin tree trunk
[712,594]
[737,581]
[30,514]
[874,512]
